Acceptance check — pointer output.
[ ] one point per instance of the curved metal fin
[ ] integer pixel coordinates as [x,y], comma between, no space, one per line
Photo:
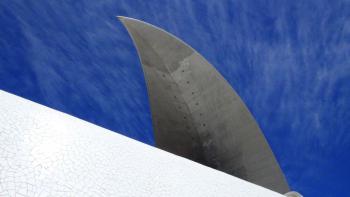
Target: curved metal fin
[196,114]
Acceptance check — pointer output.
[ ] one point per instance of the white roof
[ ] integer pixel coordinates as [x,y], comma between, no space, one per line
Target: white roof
[44,152]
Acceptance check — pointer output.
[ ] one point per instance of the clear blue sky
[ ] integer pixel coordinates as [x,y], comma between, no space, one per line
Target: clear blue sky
[288,60]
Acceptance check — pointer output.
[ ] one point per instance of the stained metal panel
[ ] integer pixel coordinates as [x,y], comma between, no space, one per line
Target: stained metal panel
[196,113]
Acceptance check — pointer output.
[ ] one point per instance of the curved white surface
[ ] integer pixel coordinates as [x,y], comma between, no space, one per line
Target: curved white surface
[44,152]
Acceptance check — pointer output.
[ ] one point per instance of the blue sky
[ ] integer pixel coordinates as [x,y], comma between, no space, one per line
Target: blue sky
[288,60]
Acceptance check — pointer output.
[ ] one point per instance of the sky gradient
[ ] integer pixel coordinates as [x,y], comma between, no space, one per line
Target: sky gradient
[288,60]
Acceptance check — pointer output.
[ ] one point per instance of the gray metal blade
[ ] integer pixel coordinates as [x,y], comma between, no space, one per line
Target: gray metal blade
[195,112]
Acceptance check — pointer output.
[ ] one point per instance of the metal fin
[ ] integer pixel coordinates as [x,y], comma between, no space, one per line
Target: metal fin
[195,112]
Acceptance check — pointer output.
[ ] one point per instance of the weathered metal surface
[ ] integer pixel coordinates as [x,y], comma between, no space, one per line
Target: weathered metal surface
[195,112]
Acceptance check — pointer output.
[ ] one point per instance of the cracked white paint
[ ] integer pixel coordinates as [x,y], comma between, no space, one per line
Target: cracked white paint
[44,152]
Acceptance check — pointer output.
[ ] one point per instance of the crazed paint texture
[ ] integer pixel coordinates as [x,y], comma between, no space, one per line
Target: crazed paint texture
[287,59]
[44,152]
